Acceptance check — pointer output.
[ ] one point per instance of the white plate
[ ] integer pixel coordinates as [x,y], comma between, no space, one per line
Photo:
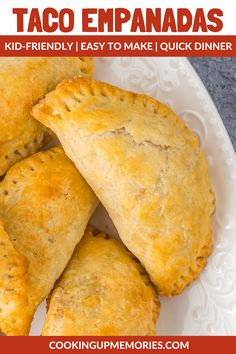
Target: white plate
[208,306]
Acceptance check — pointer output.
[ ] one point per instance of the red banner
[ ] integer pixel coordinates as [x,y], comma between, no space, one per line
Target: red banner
[117,46]
[183,344]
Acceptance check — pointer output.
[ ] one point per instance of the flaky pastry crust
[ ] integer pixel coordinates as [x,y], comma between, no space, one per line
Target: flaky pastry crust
[147,169]
[13,281]
[45,205]
[23,81]
[103,291]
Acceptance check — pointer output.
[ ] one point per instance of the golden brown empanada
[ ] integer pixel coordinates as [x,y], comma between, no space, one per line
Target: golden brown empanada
[45,205]
[23,81]
[13,296]
[104,291]
[150,175]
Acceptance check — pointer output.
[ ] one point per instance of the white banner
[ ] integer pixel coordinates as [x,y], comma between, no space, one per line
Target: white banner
[77,20]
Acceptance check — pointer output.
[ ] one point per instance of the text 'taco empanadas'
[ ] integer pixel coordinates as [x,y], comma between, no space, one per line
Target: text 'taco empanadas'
[23,81]
[45,205]
[103,291]
[150,175]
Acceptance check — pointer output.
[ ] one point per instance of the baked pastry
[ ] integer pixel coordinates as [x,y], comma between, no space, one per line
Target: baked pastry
[13,280]
[45,205]
[104,291]
[23,81]
[151,175]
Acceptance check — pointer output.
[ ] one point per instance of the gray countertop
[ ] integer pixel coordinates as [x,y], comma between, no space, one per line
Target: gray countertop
[219,77]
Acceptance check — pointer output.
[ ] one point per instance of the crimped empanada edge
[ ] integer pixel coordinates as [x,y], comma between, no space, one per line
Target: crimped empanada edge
[7,326]
[47,114]
[21,150]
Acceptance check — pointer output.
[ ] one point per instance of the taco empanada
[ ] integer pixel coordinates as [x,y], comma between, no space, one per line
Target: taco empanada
[13,281]
[45,205]
[151,175]
[104,291]
[23,81]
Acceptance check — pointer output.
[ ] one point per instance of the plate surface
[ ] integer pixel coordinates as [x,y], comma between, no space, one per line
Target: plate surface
[208,306]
